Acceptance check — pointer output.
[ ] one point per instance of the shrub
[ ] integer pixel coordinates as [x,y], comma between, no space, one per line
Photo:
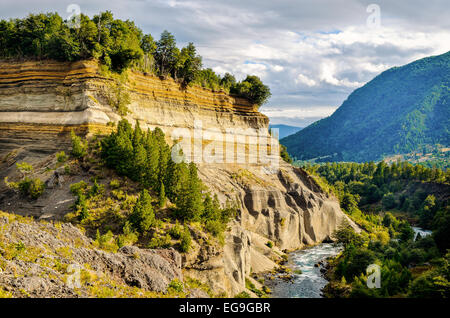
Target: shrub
[128,237]
[242,295]
[160,242]
[24,167]
[215,227]
[106,241]
[79,148]
[97,188]
[67,170]
[269,244]
[78,188]
[176,231]
[61,157]
[31,187]
[176,286]
[114,184]
[186,240]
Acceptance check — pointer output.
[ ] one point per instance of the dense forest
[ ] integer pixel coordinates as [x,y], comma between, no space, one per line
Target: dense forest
[170,194]
[402,110]
[384,200]
[118,45]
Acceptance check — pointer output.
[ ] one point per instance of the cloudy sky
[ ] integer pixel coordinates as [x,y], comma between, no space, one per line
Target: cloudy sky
[311,53]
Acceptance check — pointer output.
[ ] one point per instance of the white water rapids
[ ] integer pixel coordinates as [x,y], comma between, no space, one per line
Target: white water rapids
[310,283]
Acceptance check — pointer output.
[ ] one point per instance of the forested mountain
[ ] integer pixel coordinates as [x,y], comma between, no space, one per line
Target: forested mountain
[401,110]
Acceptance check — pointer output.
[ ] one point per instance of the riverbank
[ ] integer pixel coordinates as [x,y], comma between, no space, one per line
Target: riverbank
[304,277]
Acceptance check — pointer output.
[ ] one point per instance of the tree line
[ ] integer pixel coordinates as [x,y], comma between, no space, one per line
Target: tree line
[145,157]
[383,199]
[118,45]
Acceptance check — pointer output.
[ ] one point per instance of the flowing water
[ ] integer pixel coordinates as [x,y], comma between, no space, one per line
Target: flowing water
[310,282]
[422,232]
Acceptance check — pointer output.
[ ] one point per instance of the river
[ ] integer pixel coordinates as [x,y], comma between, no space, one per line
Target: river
[310,282]
[422,232]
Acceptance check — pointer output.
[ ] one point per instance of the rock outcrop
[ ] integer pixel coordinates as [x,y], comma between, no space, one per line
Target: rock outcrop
[40,102]
[38,258]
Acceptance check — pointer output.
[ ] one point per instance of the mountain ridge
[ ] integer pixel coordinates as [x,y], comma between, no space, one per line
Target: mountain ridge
[400,110]
[285,130]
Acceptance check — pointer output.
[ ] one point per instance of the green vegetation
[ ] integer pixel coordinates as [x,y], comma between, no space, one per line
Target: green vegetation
[411,191]
[78,146]
[383,200]
[402,110]
[61,157]
[250,286]
[143,216]
[145,157]
[284,154]
[118,45]
[152,201]
[27,186]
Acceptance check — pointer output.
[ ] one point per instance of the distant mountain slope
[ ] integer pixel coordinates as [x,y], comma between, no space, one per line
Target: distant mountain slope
[285,130]
[399,111]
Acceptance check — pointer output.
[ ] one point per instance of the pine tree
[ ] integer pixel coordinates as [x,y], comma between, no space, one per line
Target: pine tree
[143,216]
[189,201]
[185,240]
[211,208]
[81,206]
[152,165]
[162,196]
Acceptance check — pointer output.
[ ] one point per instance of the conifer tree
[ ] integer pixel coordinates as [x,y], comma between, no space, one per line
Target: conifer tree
[143,216]
[81,205]
[162,196]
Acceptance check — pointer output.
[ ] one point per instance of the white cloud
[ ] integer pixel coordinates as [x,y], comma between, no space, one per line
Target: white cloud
[305,80]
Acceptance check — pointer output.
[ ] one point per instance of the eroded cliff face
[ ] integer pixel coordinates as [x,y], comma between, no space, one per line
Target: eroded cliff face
[40,102]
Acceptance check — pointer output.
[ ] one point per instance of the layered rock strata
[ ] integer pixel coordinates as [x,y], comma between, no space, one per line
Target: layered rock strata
[40,102]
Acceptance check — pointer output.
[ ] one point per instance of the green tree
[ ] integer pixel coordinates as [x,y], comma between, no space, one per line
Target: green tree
[253,89]
[166,53]
[228,81]
[185,240]
[189,64]
[162,196]
[189,199]
[142,216]
[79,148]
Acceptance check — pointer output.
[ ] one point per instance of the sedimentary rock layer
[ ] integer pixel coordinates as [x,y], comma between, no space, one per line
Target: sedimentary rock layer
[40,102]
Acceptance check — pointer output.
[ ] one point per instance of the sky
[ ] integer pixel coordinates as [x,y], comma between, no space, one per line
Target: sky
[312,54]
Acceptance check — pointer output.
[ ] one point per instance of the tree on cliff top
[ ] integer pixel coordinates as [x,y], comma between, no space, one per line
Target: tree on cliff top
[253,89]
[118,45]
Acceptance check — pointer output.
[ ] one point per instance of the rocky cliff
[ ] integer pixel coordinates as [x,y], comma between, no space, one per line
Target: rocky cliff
[40,102]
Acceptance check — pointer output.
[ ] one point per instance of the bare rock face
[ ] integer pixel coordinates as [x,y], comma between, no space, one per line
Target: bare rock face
[40,102]
[36,259]
[287,208]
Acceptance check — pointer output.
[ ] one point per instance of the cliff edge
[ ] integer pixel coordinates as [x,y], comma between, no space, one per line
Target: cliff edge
[41,102]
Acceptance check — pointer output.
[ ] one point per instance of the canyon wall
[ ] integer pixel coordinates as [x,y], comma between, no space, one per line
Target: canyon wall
[40,102]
